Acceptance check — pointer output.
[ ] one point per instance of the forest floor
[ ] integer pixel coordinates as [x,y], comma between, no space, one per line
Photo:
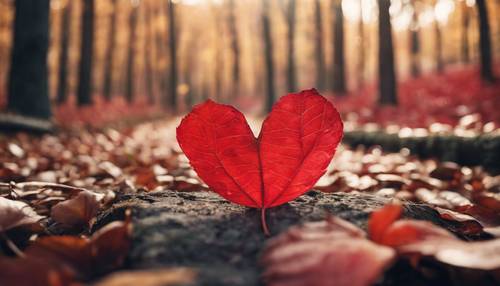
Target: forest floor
[178,223]
[88,201]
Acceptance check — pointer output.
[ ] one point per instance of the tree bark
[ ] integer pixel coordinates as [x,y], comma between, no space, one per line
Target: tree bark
[218,61]
[414,43]
[130,84]
[62,84]
[361,47]
[320,54]
[110,52]
[148,53]
[438,47]
[235,47]
[268,55]
[339,83]
[387,74]
[84,96]
[161,48]
[465,53]
[172,97]
[484,42]
[28,83]
[291,73]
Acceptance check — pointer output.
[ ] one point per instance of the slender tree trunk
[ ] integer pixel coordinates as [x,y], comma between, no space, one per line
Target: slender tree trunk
[465,33]
[268,55]
[438,47]
[291,74]
[84,96]
[130,84]
[188,70]
[361,47]
[62,84]
[172,99]
[28,85]
[218,61]
[387,74]
[414,44]
[235,48]
[484,42]
[161,47]
[320,54]
[339,81]
[110,52]
[148,53]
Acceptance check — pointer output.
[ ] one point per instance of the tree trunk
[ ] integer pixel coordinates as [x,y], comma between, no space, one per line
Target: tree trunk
[235,48]
[28,87]
[465,33]
[84,96]
[291,74]
[361,47]
[438,47]
[110,52]
[172,99]
[387,74]
[484,42]
[62,84]
[130,84]
[148,53]
[339,84]
[218,61]
[414,44]
[161,48]
[320,54]
[268,55]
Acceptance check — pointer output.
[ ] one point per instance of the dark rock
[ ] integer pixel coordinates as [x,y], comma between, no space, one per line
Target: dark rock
[221,240]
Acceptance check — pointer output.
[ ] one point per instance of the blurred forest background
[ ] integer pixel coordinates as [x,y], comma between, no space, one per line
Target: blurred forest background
[157,54]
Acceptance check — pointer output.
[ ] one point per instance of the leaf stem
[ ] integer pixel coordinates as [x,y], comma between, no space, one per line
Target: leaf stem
[263,221]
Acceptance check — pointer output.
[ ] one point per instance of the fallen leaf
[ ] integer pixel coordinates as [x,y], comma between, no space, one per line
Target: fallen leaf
[297,142]
[421,238]
[382,219]
[87,257]
[78,211]
[332,252]
[16,213]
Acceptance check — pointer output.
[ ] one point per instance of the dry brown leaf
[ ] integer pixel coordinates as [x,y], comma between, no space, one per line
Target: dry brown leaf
[78,211]
[103,252]
[16,213]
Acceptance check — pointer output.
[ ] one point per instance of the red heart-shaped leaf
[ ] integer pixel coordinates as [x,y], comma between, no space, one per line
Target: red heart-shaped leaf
[294,148]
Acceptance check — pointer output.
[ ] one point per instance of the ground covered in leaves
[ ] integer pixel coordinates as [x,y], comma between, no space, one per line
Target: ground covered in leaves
[60,193]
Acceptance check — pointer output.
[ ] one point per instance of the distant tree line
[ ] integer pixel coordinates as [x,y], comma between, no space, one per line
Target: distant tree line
[28,80]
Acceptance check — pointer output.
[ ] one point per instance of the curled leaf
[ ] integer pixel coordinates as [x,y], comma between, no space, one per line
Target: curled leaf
[16,213]
[78,211]
[332,252]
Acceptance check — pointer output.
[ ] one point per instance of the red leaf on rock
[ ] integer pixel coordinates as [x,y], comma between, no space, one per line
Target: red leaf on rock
[382,219]
[332,252]
[294,148]
[422,238]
